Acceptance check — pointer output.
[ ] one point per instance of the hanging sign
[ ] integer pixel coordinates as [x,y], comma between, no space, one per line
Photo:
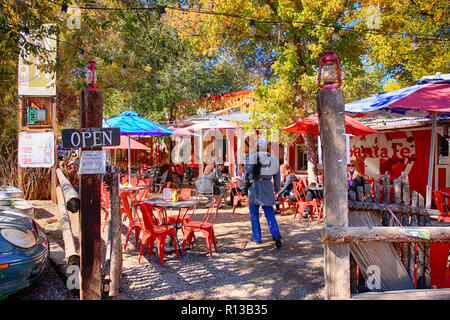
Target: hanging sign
[90,137]
[36,149]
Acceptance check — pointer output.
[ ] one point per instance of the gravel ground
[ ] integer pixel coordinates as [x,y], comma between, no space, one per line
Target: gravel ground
[241,269]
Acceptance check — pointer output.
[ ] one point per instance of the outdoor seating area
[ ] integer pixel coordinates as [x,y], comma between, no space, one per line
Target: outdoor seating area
[161,213]
[177,150]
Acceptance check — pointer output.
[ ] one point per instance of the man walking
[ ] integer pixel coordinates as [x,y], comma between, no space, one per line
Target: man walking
[261,168]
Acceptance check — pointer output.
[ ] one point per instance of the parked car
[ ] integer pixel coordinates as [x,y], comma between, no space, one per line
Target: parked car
[12,201]
[24,251]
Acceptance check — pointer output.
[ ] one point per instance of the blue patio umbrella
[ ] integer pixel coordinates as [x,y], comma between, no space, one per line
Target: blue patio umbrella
[132,124]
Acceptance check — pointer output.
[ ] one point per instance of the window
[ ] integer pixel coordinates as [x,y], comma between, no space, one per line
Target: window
[301,162]
[442,156]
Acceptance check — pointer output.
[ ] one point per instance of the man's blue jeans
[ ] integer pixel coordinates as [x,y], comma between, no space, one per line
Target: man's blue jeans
[271,221]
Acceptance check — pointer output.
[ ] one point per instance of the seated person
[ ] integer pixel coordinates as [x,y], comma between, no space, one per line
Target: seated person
[355,178]
[208,182]
[240,176]
[222,173]
[287,191]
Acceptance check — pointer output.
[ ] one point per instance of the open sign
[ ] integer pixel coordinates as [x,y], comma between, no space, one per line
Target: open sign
[90,137]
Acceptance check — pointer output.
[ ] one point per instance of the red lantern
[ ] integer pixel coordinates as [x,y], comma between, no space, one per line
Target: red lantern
[329,77]
[91,77]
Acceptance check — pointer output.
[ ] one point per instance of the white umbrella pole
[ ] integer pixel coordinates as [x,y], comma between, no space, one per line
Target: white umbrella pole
[129,161]
[319,149]
[431,161]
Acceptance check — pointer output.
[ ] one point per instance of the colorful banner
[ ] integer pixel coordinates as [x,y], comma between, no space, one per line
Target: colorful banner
[31,80]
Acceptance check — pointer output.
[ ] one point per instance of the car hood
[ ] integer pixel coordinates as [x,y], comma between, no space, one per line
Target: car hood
[15,219]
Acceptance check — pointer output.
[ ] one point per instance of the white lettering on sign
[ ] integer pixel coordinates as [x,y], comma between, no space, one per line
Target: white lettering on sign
[75,135]
[86,135]
[106,137]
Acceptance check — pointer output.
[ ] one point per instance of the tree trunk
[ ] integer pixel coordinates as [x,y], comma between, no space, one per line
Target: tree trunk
[311,155]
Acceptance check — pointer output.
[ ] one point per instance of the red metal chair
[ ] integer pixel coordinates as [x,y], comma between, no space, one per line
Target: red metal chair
[204,226]
[152,232]
[134,222]
[302,202]
[441,204]
[237,197]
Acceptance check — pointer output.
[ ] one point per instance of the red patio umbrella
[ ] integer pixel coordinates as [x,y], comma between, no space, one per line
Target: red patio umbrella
[310,125]
[133,144]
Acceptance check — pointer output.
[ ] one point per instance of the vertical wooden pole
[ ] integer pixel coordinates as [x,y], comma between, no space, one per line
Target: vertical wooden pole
[55,151]
[421,251]
[91,110]
[406,201]
[115,229]
[386,198]
[19,127]
[412,245]
[332,129]
[397,199]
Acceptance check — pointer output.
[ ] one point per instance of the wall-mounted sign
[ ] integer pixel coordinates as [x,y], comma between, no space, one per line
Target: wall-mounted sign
[36,149]
[36,115]
[32,81]
[90,137]
[92,162]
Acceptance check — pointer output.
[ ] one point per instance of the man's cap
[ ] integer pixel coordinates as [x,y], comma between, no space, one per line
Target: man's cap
[262,142]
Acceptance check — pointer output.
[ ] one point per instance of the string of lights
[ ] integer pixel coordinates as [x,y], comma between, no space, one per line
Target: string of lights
[252,27]
[253,20]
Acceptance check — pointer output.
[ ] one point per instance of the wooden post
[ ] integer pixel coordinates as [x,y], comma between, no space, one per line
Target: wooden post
[115,230]
[55,151]
[412,246]
[386,194]
[406,201]
[19,130]
[332,129]
[91,110]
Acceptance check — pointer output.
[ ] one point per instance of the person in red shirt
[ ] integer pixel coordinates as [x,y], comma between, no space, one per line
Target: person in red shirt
[191,168]
[179,174]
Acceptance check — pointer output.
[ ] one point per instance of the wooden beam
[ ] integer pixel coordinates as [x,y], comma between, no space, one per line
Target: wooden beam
[390,234]
[418,294]
[71,254]
[396,208]
[71,198]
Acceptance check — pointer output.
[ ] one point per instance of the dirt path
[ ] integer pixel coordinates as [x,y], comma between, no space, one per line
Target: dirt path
[240,269]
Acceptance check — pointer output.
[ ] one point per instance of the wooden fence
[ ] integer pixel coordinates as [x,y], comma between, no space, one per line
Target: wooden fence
[389,233]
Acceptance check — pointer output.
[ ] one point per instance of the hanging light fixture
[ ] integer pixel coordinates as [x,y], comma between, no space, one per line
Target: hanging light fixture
[414,43]
[162,13]
[81,54]
[91,76]
[335,37]
[329,75]
[252,30]
[62,15]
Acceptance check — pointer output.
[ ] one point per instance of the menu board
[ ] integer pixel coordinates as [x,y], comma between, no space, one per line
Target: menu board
[36,149]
